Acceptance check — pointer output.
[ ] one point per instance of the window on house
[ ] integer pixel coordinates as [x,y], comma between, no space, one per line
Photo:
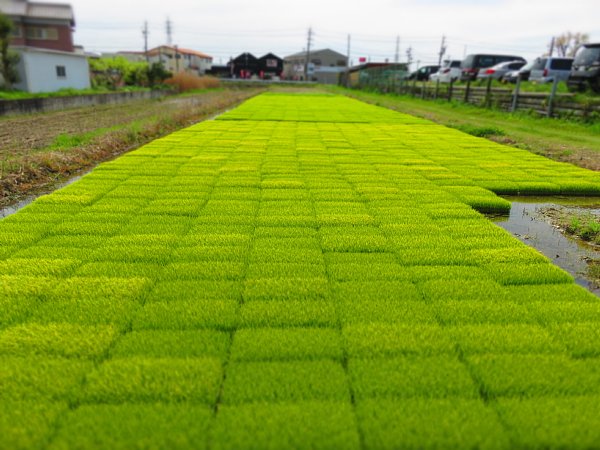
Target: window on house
[61,71]
[17,31]
[42,33]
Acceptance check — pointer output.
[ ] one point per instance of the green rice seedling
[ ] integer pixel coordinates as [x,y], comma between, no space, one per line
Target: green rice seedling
[187,315]
[421,274]
[506,338]
[157,254]
[34,267]
[40,379]
[515,274]
[31,217]
[288,313]
[87,228]
[174,207]
[33,228]
[212,253]
[227,270]
[333,207]
[366,259]
[286,270]
[113,269]
[57,340]
[264,245]
[20,286]
[284,194]
[314,425]
[581,339]
[520,255]
[67,200]
[286,289]
[291,208]
[410,376]
[474,312]
[231,207]
[385,340]
[273,344]
[139,379]
[285,381]
[453,255]
[28,424]
[167,240]
[364,239]
[286,221]
[550,293]
[201,236]
[418,423]
[279,251]
[193,290]
[419,240]
[376,291]
[92,311]
[173,344]
[551,422]
[351,272]
[334,195]
[447,290]
[15,309]
[345,220]
[18,239]
[127,426]
[537,188]
[536,375]
[90,288]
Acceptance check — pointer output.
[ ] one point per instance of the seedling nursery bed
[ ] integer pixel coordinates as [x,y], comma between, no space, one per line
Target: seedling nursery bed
[306,271]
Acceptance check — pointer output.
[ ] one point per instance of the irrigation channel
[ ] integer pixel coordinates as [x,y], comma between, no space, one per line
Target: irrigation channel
[304,272]
[528,222]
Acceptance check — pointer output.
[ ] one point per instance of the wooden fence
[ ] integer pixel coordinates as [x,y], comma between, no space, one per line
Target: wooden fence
[550,104]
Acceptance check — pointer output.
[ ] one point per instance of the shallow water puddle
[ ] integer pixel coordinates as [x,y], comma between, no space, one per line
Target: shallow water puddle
[529,224]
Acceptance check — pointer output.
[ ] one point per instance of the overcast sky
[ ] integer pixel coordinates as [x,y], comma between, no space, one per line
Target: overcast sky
[224,28]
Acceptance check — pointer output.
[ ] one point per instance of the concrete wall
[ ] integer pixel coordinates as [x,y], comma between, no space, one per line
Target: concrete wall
[38,73]
[36,105]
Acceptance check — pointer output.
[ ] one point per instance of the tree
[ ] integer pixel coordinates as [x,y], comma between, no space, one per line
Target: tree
[117,72]
[8,58]
[567,43]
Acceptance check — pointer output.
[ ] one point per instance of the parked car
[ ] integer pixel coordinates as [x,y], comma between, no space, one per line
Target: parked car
[586,69]
[423,73]
[498,71]
[472,64]
[450,71]
[547,69]
[523,72]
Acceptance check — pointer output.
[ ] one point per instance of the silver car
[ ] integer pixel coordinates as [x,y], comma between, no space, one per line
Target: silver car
[498,71]
[546,69]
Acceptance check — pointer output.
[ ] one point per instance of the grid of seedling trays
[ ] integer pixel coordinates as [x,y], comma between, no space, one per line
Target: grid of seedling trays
[305,272]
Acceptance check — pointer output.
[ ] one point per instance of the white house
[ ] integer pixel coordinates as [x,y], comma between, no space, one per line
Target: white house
[43,37]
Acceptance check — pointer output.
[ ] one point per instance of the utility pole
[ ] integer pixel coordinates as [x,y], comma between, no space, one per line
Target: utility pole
[552,46]
[409,57]
[397,54]
[177,59]
[348,63]
[169,32]
[443,49]
[307,62]
[145,33]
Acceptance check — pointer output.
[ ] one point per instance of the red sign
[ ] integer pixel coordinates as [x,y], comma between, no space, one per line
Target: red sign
[362,59]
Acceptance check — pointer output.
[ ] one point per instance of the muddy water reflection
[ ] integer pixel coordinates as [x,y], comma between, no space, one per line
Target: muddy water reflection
[528,223]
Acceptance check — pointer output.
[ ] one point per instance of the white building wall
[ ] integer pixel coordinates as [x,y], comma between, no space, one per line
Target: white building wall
[38,71]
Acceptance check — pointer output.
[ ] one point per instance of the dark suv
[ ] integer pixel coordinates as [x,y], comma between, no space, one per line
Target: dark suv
[586,69]
[424,73]
[473,63]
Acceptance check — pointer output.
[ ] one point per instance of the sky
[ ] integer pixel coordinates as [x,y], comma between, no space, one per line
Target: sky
[226,28]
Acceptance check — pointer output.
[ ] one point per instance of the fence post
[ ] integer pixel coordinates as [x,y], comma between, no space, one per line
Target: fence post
[467,90]
[488,93]
[552,96]
[515,100]
[450,89]
[423,87]
[437,89]
[414,87]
